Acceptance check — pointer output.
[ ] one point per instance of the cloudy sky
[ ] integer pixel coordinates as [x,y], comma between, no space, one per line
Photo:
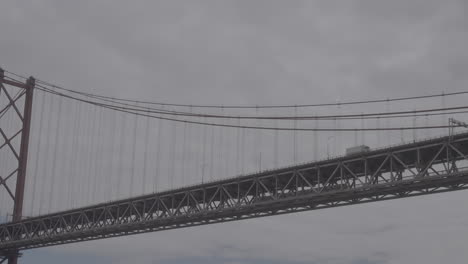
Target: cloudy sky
[257,52]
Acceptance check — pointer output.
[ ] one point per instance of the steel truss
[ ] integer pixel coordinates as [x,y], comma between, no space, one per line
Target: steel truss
[24,97]
[424,167]
[7,138]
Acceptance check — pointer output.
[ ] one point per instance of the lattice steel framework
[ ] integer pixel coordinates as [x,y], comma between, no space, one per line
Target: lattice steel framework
[424,167]
[16,173]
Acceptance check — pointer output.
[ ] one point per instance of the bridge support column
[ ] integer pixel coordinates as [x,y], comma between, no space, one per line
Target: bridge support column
[12,256]
[23,155]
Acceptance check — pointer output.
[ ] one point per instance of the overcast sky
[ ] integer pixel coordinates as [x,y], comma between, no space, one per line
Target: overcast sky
[257,52]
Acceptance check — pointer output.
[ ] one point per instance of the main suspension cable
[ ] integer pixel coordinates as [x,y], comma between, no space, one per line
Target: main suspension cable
[253,106]
[396,114]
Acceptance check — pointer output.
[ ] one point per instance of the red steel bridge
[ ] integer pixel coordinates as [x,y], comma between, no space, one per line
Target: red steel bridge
[411,168]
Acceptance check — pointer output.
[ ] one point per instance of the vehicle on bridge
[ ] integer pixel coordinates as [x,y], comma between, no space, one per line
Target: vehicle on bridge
[357,150]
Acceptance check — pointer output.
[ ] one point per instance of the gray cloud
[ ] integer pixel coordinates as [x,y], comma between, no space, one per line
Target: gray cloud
[257,52]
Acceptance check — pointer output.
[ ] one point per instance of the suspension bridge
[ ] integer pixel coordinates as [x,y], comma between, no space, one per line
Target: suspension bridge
[78,166]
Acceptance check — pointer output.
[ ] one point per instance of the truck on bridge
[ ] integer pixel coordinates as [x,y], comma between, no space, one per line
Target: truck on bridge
[357,150]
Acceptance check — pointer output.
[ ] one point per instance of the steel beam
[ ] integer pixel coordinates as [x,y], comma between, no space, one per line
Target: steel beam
[390,173]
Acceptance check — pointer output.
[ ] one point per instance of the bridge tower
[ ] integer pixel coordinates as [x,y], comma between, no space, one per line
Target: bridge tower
[17,102]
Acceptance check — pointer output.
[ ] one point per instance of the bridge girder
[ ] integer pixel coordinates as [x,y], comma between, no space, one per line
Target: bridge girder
[419,168]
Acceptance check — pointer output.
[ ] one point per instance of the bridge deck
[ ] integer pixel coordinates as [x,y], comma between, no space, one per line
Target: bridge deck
[423,167]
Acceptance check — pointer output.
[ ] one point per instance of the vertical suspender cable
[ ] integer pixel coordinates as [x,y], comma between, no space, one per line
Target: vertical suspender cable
[401,136]
[97,157]
[227,150]
[211,152]
[316,145]
[134,145]
[108,151]
[103,185]
[387,121]
[79,158]
[355,138]
[338,140]
[204,152]
[91,158]
[145,158]
[158,154]
[184,154]
[113,166]
[89,119]
[379,143]
[87,153]
[36,155]
[260,144]
[72,158]
[220,147]
[74,164]
[444,116]
[243,154]
[362,132]
[54,157]
[47,155]
[295,136]
[174,146]
[121,154]
[275,146]
[256,143]
[237,145]
[426,123]
[335,136]
[194,171]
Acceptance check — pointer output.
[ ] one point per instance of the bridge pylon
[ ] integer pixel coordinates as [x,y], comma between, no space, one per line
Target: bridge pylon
[15,102]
